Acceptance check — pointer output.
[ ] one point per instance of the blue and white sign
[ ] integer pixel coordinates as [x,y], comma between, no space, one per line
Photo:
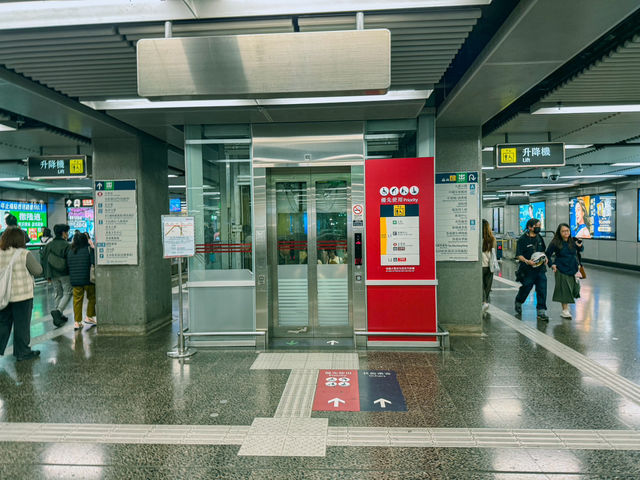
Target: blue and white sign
[380,391]
[457,216]
[116,222]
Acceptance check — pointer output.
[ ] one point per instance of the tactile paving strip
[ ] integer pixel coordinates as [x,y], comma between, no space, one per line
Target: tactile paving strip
[306,361]
[297,398]
[311,436]
[484,438]
[593,369]
[286,437]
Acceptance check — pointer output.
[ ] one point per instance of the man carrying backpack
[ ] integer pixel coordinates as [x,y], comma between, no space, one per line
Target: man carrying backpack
[54,262]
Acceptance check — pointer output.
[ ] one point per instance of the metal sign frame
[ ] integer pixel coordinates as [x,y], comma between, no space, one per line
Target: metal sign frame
[497,162]
[86,159]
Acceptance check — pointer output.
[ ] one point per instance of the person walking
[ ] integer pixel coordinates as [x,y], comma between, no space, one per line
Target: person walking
[563,254]
[54,262]
[17,314]
[80,259]
[489,262]
[532,271]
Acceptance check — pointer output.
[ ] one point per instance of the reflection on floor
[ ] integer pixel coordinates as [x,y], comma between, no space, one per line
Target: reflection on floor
[499,406]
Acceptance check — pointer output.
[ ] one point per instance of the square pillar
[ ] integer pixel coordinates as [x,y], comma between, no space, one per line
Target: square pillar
[136,299]
[458,149]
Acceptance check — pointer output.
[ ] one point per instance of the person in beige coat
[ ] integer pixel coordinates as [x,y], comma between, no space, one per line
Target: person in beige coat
[17,314]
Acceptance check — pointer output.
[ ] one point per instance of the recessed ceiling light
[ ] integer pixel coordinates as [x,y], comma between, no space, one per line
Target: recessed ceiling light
[591,176]
[6,128]
[10,179]
[547,109]
[488,168]
[542,185]
[626,164]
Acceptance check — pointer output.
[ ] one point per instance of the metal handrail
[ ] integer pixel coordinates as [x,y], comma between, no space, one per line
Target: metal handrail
[223,334]
[401,334]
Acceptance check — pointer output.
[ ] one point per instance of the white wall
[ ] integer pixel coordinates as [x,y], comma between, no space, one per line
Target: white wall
[625,249]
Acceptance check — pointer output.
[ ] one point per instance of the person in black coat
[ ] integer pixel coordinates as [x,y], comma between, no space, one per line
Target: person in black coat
[79,259]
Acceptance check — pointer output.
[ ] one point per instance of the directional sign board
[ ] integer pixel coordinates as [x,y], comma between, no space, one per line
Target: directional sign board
[116,222]
[527,155]
[457,216]
[358,391]
[58,166]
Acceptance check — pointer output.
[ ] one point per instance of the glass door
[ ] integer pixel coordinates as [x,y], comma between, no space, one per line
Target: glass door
[309,253]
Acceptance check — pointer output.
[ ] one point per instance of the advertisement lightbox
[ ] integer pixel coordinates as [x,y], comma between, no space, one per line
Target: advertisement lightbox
[593,216]
[532,210]
[32,217]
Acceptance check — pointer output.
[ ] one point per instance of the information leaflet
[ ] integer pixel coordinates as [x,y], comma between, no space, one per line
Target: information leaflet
[116,222]
[457,216]
[178,236]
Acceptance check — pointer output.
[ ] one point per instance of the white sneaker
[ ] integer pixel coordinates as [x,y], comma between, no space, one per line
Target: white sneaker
[485,307]
[565,314]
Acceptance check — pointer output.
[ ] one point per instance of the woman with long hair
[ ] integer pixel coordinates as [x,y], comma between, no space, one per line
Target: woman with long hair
[488,262]
[582,219]
[563,259]
[17,314]
[80,258]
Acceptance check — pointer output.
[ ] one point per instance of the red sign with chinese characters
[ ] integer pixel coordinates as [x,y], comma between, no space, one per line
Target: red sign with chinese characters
[400,251]
[337,390]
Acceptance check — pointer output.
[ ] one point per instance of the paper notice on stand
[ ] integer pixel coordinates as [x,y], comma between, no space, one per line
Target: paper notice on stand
[178,236]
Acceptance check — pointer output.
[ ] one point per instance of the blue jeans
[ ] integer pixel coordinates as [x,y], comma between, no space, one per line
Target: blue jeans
[537,278]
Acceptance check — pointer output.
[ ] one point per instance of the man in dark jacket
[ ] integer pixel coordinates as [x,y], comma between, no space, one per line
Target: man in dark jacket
[528,274]
[54,262]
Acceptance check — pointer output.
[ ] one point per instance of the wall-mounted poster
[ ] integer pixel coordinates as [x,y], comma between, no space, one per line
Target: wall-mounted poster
[532,210]
[32,217]
[593,216]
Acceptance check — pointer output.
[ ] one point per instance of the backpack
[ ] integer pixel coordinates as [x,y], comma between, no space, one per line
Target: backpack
[56,262]
[5,282]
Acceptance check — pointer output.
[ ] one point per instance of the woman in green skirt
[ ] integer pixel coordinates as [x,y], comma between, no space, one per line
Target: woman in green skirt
[563,259]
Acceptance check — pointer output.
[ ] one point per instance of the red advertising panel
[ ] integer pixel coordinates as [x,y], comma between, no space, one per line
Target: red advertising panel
[400,250]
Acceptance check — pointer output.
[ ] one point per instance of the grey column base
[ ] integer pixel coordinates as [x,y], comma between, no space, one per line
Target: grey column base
[144,329]
[462,330]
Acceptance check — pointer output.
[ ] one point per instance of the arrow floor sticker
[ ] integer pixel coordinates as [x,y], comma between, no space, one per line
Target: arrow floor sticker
[356,391]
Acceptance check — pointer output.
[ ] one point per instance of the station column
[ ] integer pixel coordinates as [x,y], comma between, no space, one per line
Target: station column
[136,299]
[457,149]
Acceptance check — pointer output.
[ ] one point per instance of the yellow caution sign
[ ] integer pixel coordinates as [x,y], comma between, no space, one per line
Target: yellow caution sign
[76,166]
[399,211]
[508,155]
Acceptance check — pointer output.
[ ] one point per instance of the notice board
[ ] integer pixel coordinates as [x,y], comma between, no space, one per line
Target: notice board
[400,248]
[458,216]
[116,222]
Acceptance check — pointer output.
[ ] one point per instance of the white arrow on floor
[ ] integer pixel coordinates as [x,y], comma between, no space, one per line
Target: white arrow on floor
[333,342]
[383,402]
[336,402]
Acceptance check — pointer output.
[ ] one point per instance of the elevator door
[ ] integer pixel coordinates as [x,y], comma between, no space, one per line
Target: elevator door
[309,253]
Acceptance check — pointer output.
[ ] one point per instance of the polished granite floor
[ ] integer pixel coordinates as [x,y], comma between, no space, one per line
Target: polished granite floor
[502,380]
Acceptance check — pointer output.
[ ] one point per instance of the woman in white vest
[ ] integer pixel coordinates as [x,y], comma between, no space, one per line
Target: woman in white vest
[17,313]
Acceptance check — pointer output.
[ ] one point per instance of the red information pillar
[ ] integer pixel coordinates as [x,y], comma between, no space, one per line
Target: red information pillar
[400,249]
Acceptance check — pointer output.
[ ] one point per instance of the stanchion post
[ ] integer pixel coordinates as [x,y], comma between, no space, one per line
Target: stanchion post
[182,352]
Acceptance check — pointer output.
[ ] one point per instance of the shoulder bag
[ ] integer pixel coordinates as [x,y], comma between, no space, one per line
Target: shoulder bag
[494,265]
[5,281]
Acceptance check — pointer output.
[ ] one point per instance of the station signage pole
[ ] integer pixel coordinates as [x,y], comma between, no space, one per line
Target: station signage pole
[178,241]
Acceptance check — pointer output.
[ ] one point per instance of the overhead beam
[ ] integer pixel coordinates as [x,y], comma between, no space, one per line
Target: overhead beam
[56,13]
